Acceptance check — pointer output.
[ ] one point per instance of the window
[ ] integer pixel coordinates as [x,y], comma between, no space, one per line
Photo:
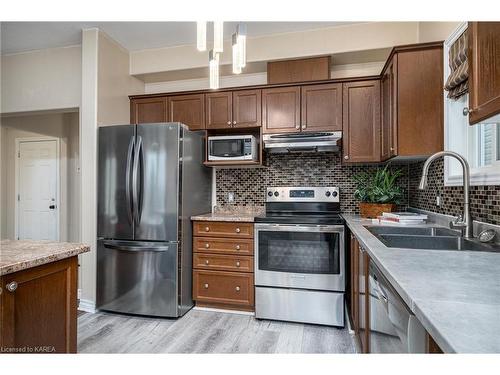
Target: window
[479,144]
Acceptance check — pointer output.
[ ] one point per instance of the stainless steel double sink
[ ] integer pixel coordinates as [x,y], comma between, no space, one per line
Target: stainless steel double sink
[427,238]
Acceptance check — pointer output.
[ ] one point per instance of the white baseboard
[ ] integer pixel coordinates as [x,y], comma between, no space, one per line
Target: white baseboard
[224,311]
[87,306]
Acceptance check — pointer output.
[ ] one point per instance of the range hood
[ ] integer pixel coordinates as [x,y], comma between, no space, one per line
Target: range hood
[302,142]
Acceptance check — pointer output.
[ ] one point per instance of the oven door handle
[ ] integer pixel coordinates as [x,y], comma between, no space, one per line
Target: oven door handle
[334,228]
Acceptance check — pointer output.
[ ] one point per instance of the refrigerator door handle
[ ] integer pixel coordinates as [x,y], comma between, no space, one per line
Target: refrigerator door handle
[135,248]
[128,172]
[135,172]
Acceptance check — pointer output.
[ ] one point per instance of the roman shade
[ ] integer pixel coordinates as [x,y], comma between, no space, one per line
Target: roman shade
[457,82]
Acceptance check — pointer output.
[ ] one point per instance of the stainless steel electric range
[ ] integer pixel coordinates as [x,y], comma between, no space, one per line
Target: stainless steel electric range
[300,256]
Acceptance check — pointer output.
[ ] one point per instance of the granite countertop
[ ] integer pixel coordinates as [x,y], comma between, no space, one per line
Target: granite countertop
[19,255]
[454,294]
[232,213]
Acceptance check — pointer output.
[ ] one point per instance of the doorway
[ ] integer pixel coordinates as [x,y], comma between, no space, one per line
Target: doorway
[37,189]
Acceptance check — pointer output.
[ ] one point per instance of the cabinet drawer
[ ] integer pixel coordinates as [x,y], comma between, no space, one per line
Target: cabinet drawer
[223,245]
[223,229]
[223,262]
[223,287]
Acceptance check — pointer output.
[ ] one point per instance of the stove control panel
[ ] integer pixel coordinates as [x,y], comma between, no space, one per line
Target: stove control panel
[302,194]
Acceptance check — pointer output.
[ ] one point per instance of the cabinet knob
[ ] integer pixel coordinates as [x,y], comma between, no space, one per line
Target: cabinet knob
[466,111]
[229,122]
[346,157]
[392,148]
[297,126]
[237,288]
[304,126]
[206,262]
[207,245]
[205,286]
[238,230]
[207,229]
[234,122]
[238,247]
[237,264]
[12,286]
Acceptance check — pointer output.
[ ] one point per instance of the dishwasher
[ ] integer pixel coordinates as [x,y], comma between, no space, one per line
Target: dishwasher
[393,327]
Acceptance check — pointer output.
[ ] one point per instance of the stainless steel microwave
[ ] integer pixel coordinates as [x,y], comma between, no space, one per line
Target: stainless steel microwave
[233,147]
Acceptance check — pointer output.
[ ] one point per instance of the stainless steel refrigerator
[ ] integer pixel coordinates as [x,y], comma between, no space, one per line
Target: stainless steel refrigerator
[151,179]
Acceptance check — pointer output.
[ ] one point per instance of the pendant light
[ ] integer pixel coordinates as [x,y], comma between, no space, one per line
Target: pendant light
[241,32]
[236,55]
[213,63]
[218,36]
[201,35]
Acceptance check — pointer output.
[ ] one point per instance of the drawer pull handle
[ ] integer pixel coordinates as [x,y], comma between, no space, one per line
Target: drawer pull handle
[238,230]
[237,264]
[237,288]
[207,245]
[237,247]
[205,286]
[206,262]
[11,287]
[207,229]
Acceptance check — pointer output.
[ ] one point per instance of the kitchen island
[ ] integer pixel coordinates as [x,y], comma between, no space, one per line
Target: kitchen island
[454,294]
[38,296]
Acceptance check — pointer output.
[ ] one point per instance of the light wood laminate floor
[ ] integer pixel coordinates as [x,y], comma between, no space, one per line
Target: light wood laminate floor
[206,332]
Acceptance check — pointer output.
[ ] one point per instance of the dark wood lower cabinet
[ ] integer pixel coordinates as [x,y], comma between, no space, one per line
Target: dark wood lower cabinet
[40,315]
[360,315]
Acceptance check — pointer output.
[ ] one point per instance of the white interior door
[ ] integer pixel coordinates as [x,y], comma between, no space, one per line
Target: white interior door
[37,189]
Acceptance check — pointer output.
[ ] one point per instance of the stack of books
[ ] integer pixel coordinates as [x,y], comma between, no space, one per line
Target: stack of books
[402,218]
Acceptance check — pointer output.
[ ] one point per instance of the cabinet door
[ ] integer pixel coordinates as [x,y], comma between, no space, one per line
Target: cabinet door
[188,109]
[322,107]
[484,70]
[148,110]
[247,108]
[389,130]
[41,312]
[219,108]
[363,300]
[281,110]
[361,121]
[354,284]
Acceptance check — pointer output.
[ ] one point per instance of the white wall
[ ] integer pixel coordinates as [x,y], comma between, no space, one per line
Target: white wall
[41,80]
[114,83]
[59,125]
[435,31]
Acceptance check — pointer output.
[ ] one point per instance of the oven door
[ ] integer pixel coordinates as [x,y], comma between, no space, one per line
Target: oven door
[300,256]
[227,149]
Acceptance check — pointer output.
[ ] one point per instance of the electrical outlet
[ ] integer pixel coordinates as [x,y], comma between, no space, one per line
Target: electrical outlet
[438,200]
[230,197]
[79,294]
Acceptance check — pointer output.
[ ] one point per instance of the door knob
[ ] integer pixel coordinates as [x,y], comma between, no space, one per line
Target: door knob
[205,286]
[237,264]
[237,247]
[11,287]
[207,245]
[238,230]
[346,157]
[237,288]
[206,262]
[207,229]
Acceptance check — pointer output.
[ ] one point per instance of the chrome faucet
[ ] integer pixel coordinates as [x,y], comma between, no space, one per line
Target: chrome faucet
[462,222]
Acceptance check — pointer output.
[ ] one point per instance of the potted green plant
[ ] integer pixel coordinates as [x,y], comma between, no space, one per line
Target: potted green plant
[378,191]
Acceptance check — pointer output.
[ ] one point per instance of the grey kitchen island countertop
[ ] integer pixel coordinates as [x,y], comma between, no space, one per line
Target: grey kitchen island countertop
[18,255]
[454,294]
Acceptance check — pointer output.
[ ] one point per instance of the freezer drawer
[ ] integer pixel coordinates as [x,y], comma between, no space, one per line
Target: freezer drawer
[296,305]
[137,277]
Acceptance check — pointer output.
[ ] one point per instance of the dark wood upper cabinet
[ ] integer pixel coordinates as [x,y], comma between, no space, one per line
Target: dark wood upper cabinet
[420,103]
[281,110]
[41,312]
[388,99]
[361,121]
[219,110]
[322,107]
[247,108]
[484,70]
[148,110]
[299,70]
[188,109]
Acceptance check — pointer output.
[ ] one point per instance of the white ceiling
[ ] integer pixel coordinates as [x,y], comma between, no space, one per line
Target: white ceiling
[26,36]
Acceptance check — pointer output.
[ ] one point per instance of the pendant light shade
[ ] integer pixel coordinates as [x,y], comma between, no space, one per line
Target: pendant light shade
[236,55]
[241,32]
[218,36]
[213,63]
[201,35]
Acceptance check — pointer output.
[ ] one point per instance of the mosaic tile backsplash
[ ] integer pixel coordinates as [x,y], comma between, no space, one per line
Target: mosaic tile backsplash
[303,169]
[484,200]
[325,169]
